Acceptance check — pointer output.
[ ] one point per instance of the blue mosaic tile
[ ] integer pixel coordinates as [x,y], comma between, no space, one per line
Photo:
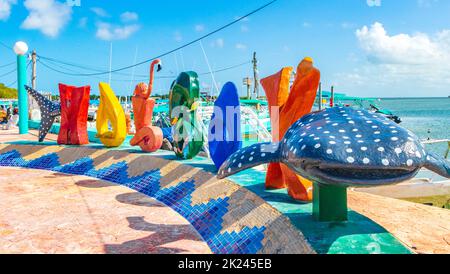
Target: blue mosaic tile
[46,162]
[79,167]
[206,218]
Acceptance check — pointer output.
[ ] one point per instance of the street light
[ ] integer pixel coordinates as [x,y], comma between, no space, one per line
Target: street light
[21,49]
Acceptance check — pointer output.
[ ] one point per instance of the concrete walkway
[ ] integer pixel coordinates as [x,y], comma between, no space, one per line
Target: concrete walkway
[47,212]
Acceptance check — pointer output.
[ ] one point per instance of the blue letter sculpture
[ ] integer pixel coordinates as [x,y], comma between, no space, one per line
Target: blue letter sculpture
[225,127]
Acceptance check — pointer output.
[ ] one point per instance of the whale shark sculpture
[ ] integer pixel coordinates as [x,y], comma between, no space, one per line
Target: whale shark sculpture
[49,111]
[343,147]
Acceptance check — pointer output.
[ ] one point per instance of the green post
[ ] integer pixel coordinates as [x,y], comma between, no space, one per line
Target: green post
[21,48]
[329,203]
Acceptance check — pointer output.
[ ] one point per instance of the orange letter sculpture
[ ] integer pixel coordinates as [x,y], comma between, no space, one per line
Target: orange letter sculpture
[148,137]
[291,107]
[74,114]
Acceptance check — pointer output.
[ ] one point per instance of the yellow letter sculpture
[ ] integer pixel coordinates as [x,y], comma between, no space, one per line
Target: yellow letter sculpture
[110,111]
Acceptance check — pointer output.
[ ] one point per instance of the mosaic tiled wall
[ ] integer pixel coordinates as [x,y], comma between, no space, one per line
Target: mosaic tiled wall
[231,219]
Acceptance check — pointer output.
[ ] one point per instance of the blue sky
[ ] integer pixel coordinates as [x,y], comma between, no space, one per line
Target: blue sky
[377,48]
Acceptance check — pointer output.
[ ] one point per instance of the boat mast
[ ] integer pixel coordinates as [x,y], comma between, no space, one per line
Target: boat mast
[210,70]
[110,62]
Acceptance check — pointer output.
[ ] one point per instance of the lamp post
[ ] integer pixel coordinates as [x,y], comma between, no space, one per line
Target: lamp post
[21,49]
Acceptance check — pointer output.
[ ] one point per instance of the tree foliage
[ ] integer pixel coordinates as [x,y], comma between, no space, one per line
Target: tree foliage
[7,93]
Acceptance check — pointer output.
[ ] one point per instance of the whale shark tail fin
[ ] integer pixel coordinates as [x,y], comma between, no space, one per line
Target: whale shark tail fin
[249,157]
[49,111]
[438,164]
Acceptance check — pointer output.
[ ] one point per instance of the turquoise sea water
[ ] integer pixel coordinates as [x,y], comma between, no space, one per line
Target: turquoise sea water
[423,115]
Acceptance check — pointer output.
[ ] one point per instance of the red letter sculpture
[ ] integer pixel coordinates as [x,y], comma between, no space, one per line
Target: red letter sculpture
[74,113]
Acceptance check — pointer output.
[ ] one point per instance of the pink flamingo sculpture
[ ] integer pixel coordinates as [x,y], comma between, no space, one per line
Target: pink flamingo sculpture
[148,137]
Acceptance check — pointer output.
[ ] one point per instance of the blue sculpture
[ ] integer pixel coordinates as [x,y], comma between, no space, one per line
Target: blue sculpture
[344,147]
[225,137]
[49,111]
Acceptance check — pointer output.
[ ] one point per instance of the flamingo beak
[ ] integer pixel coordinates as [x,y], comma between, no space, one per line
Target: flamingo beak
[159,67]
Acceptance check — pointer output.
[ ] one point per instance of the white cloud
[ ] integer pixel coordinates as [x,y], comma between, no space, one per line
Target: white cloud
[373,3]
[218,43]
[129,17]
[245,28]
[199,28]
[399,65]
[99,12]
[178,36]
[109,32]
[241,46]
[5,8]
[402,48]
[306,24]
[47,16]
[82,23]
[426,3]
[347,25]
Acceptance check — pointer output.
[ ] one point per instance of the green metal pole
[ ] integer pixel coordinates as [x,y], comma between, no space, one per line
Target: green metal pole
[22,93]
[330,203]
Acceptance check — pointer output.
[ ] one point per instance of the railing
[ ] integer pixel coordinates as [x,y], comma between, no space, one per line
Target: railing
[249,117]
[432,142]
[256,124]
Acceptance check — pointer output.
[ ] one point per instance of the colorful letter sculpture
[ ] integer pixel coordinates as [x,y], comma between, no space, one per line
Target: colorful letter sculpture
[49,111]
[188,135]
[292,106]
[148,137]
[74,113]
[110,114]
[225,128]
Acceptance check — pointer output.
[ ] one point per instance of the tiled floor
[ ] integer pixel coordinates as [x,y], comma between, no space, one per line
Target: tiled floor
[12,135]
[46,212]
